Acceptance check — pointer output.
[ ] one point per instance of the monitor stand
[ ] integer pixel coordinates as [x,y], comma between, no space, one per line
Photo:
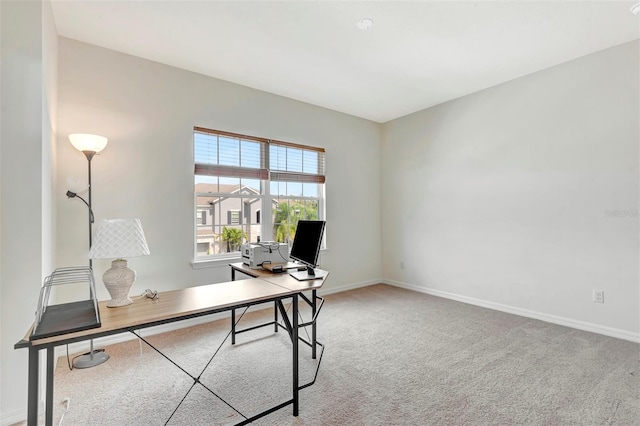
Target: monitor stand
[308,274]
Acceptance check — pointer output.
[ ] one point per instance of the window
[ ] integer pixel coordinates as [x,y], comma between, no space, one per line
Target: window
[238,177]
[201,217]
[233,217]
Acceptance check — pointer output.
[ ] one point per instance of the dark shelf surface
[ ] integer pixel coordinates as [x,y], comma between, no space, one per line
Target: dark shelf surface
[66,318]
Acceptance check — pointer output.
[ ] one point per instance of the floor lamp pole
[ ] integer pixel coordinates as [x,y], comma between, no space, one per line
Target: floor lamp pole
[92,358]
[89,158]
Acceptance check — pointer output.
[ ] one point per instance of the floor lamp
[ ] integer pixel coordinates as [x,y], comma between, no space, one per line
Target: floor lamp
[89,145]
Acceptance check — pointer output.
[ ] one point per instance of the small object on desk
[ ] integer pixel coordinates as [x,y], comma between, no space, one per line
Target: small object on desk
[277,269]
[53,320]
[151,294]
[257,255]
[270,266]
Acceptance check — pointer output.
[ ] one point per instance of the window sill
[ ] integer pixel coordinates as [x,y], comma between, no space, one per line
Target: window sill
[215,263]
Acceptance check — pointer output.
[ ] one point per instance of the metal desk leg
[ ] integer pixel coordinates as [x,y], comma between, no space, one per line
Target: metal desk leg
[313,326]
[32,399]
[233,313]
[49,395]
[294,341]
[233,326]
[275,316]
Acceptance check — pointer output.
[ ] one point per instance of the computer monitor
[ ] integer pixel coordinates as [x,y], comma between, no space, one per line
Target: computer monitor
[306,246]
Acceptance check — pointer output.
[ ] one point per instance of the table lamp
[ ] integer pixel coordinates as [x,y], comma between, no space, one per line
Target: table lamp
[119,239]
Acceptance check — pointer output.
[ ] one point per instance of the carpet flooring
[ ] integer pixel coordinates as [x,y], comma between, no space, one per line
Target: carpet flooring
[393,357]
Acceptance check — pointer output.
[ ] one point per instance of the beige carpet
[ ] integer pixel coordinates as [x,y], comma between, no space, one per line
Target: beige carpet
[393,357]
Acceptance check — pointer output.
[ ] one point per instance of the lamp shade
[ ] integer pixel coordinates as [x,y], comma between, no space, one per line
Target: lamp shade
[86,142]
[119,238]
[76,185]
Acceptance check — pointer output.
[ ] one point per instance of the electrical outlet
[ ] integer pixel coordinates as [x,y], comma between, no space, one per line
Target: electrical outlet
[598,296]
[401,265]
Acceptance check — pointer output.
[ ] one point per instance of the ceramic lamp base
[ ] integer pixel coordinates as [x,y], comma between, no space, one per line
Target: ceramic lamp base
[118,281]
[118,303]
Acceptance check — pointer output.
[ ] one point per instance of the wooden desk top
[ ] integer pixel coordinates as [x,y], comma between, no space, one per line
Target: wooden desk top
[280,278]
[287,281]
[256,273]
[172,306]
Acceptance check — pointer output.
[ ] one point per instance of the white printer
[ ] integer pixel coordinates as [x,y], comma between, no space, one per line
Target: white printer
[255,254]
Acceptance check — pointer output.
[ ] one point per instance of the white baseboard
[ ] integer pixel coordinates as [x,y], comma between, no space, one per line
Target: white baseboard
[14,416]
[567,322]
[349,287]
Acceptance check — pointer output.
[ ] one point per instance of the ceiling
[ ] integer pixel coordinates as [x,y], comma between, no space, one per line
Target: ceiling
[416,55]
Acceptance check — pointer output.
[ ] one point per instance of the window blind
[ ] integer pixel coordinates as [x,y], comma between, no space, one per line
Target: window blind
[230,155]
[219,153]
[295,163]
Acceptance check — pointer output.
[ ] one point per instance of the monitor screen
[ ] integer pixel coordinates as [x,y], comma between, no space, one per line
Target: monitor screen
[307,242]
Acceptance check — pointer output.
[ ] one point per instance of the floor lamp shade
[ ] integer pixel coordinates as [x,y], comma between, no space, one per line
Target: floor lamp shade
[77,186]
[86,142]
[119,239]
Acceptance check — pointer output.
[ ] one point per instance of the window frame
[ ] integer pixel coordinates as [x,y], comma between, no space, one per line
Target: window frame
[266,174]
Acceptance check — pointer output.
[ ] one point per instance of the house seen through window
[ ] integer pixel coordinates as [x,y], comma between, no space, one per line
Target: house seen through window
[238,177]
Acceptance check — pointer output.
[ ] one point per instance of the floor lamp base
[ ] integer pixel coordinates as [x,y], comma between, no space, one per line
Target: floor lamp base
[90,359]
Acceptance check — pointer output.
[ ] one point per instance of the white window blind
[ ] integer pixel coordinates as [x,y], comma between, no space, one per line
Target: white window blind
[219,153]
[295,163]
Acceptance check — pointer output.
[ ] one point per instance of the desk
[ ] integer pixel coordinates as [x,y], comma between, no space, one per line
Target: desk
[173,306]
[285,280]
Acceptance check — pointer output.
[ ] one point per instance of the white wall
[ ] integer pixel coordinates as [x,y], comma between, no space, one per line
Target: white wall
[504,197]
[49,133]
[148,110]
[28,109]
